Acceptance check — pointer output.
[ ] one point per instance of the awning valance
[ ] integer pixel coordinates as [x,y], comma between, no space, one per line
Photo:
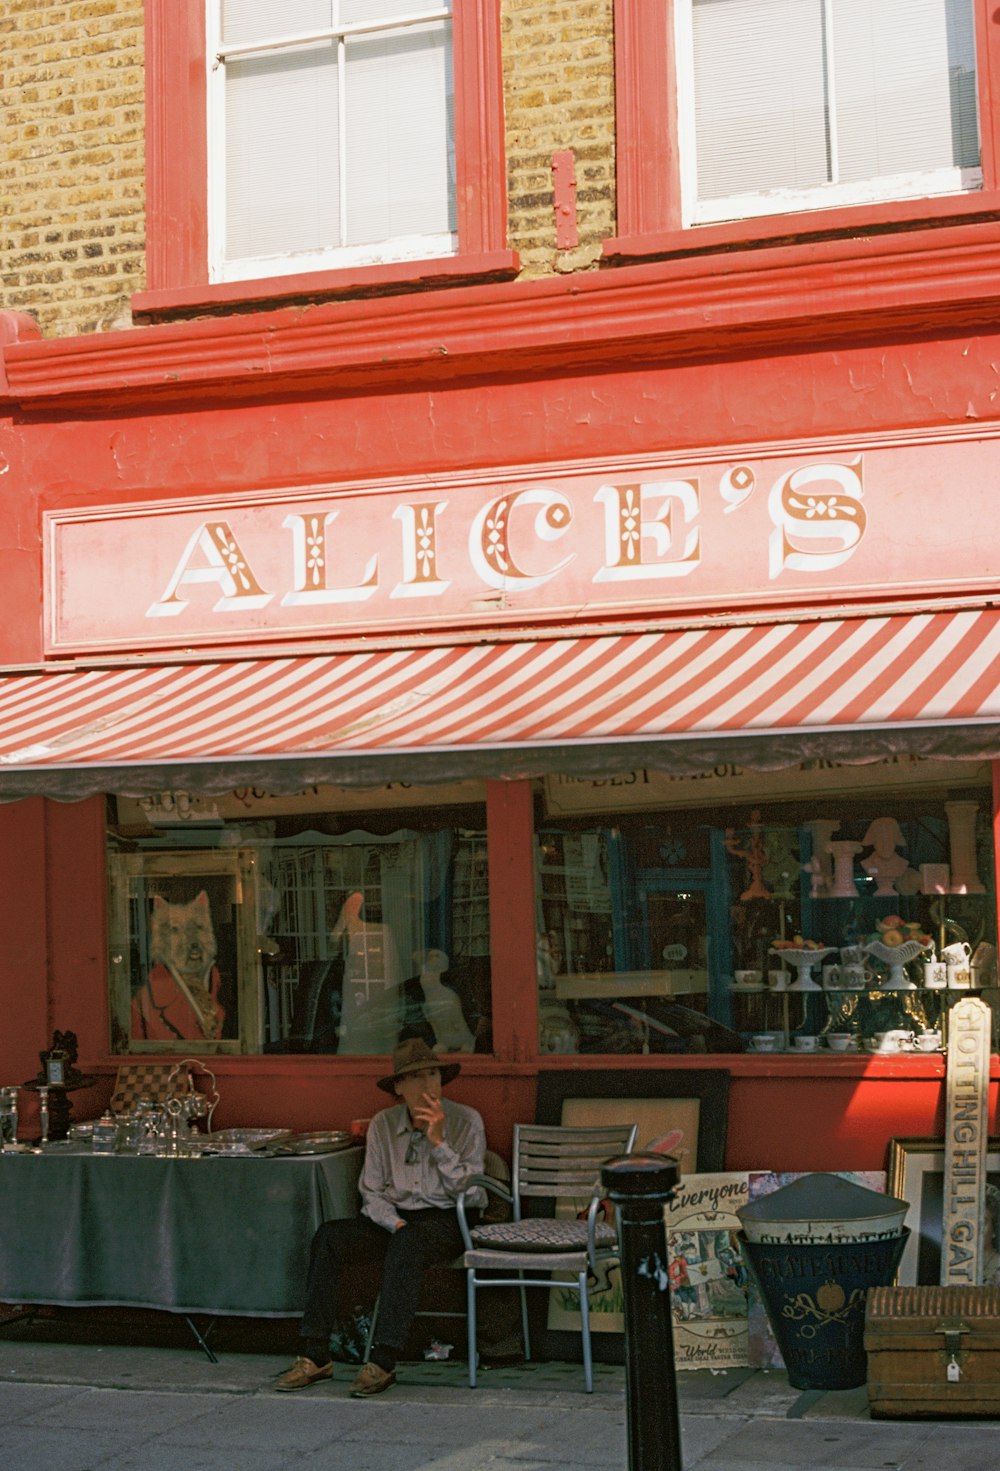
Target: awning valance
[762,695]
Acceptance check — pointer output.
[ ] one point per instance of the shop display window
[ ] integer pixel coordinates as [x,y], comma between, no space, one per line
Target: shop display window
[807,916]
[309,930]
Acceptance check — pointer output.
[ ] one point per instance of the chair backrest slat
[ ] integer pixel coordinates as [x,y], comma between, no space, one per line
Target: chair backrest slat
[561,1161]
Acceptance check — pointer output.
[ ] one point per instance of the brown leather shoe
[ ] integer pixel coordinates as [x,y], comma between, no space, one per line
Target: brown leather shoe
[372,1380]
[303,1373]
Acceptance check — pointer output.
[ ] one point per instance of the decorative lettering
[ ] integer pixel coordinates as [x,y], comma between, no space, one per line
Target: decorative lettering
[736,486]
[228,567]
[803,512]
[489,538]
[311,560]
[420,577]
[635,514]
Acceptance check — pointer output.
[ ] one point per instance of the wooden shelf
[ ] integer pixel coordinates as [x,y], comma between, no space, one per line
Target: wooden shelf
[614,986]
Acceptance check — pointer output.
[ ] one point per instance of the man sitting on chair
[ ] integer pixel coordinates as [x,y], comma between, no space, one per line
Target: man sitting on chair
[419,1156]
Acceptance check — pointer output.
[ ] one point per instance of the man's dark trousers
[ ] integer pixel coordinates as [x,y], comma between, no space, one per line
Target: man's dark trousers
[430,1237]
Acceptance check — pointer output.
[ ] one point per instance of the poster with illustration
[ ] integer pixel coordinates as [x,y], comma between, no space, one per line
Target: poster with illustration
[708,1277]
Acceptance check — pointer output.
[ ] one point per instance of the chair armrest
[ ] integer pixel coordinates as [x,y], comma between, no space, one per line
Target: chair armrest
[592,1209]
[480,1182]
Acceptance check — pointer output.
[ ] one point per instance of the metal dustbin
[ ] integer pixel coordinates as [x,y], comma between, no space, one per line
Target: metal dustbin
[815,1300]
[815,1247]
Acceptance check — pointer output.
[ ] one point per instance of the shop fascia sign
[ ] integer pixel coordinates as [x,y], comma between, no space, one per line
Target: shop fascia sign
[530,548]
[643,787]
[179,808]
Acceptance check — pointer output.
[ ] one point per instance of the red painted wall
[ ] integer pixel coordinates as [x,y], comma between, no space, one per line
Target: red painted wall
[785,1113]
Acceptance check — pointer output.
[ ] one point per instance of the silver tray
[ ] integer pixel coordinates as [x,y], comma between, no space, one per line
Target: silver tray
[324,1143]
[244,1141]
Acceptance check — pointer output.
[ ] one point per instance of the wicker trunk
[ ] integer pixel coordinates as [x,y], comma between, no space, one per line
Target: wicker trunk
[933,1351]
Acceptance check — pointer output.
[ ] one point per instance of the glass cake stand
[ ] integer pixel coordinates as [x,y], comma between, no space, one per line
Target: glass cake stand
[803,961]
[895,957]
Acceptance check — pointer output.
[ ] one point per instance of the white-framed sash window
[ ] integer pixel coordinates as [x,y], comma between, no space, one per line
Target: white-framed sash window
[330,134]
[792,105]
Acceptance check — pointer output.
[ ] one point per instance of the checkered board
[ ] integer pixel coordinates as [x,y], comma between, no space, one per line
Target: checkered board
[147,1080]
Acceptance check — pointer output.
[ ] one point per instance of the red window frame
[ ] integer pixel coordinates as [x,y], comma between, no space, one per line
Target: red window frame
[648,159]
[177,171]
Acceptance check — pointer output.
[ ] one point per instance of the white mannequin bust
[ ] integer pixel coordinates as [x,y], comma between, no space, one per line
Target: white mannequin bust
[442,1007]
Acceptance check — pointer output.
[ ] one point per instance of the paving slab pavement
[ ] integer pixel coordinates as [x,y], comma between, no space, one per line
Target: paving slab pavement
[120,1407]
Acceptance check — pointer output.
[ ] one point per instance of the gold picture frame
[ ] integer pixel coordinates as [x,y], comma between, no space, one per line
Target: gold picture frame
[916,1174]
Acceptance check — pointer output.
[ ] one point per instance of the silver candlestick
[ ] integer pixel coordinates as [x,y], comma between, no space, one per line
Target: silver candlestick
[43,1113]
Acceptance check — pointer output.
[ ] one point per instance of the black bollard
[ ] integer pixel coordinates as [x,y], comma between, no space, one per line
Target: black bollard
[639,1185]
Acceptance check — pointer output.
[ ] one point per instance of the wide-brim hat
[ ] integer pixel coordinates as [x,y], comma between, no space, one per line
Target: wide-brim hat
[413,1056]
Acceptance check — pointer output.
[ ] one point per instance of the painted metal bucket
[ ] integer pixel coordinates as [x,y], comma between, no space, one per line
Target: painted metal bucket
[815,1301]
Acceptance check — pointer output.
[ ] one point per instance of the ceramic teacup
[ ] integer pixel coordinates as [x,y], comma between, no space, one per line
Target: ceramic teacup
[958,951]
[764,1042]
[831,977]
[778,980]
[894,1041]
[854,977]
[805,1042]
[840,1041]
[928,1042]
[748,980]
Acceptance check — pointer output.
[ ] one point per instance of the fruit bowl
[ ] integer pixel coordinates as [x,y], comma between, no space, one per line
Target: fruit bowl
[803,960]
[895,957]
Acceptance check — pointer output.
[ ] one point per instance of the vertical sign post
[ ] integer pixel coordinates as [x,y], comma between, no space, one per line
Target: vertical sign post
[967,1090]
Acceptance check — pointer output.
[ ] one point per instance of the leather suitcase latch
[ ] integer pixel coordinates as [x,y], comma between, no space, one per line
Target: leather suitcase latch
[952,1328]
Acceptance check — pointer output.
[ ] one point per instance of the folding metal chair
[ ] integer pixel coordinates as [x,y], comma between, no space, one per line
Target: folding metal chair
[556,1163]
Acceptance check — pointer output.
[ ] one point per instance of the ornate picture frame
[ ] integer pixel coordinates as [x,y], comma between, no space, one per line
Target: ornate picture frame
[183,966]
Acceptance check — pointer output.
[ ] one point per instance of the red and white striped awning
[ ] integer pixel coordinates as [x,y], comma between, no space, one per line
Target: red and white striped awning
[927,669]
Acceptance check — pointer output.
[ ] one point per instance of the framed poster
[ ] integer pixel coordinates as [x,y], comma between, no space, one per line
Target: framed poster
[916,1174]
[684,1113]
[662,1101]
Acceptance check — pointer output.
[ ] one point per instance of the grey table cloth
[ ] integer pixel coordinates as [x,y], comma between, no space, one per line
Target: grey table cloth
[221,1235]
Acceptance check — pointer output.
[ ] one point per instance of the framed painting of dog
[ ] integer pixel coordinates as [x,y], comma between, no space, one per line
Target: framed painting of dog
[183,962]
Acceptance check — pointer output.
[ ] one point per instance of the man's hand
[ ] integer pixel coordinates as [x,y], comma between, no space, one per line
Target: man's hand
[429,1116]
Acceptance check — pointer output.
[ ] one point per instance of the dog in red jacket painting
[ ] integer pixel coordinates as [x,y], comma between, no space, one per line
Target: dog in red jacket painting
[179,1000]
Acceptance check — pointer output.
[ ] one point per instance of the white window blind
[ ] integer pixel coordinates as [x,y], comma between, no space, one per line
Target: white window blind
[333,133]
[852,99]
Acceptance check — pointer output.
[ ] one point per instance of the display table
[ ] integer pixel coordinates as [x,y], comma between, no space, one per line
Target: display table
[219,1235]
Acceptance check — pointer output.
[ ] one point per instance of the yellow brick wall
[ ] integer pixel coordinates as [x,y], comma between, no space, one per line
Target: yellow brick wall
[72,188]
[559,94]
[71,161]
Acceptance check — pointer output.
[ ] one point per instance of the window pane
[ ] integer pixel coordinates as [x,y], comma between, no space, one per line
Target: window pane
[760,85]
[906,86]
[399,135]
[352,12]
[726,928]
[298,928]
[244,21]
[282,177]
[797,94]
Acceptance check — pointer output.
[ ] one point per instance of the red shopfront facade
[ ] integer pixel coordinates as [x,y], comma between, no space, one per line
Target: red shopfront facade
[579,558]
